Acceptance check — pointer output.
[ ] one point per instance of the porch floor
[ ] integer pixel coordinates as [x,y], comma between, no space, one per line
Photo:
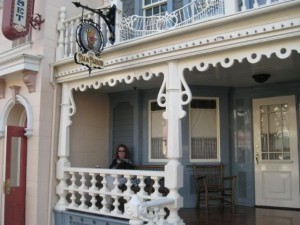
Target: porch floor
[242,216]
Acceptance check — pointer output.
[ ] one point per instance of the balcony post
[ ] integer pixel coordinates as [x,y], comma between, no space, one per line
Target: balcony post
[173,101]
[61,29]
[63,148]
[231,7]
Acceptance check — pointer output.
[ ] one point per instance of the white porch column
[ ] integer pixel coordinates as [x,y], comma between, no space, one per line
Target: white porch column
[231,7]
[63,148]
[173,95]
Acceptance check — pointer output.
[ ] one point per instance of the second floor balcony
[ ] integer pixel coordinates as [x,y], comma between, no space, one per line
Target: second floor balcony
[136,27]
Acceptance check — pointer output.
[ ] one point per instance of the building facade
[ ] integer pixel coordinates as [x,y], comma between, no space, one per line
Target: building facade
[185,82]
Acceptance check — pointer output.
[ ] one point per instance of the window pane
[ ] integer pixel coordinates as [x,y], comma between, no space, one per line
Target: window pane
[149,12]
[274,132]
[156,10]
[15,161]
[204,134]
[163,8]
[158,133]
[147,2]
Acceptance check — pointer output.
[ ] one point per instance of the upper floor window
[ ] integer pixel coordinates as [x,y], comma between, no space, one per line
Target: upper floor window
[157,133]
[204,130]
[155,7]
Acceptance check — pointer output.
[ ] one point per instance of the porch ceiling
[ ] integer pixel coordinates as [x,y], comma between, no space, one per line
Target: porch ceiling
[238,75]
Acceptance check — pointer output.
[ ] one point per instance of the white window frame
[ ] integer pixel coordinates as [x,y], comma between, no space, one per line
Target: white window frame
[152,5]
[149,135]
[217,128]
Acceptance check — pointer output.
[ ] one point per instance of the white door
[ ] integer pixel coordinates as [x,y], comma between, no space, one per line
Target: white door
[276,152]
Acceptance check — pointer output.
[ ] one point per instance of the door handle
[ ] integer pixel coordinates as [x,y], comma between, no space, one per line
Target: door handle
[257,157]
[7,187]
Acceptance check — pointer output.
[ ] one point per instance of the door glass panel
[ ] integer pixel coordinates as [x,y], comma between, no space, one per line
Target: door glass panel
[274,132]
[15,161]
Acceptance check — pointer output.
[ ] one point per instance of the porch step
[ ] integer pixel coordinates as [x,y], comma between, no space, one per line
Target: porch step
[69,217]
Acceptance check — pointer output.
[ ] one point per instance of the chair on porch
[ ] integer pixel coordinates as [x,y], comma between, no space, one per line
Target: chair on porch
[212,187]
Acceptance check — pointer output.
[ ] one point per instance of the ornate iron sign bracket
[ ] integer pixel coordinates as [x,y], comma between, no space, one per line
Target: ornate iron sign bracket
[109,18]
[36,21]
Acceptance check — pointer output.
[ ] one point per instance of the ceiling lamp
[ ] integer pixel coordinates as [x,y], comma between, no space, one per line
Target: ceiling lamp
[261,78]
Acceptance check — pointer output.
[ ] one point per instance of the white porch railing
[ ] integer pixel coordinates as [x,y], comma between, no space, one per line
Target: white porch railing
[134,27]
[86,190]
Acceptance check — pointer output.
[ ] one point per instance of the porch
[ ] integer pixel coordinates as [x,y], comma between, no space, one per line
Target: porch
[136,72]
[243,216]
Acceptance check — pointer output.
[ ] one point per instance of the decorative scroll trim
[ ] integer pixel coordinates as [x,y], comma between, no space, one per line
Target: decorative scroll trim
[185,95]
[110,81]
[206,45]
[251,57]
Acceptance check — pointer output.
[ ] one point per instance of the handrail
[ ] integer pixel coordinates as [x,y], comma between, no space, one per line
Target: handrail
[87,190]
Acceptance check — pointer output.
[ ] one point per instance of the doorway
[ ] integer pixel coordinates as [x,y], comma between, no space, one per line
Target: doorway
[15,176]
[276,152]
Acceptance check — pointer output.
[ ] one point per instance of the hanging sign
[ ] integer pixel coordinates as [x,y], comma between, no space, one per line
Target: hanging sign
[90,40]
[16,18]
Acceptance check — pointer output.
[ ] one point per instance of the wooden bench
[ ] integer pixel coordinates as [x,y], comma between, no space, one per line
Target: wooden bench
[213,187]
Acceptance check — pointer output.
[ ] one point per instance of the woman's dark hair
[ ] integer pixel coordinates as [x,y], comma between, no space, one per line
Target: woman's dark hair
[126,149]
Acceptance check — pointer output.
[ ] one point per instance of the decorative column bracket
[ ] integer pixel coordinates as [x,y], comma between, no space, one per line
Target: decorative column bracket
[29,79]
[109,18]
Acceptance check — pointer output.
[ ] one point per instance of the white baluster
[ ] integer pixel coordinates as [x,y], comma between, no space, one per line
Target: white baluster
[268,2]
[83,180]
[66,40]
[104,202]
[142,185]
[73,200]
[156,217]
[156,187]
[161,215]
[244,7]
[104,188]
[93,182]
[151,216]
[255,4]
[116,184]
[231,7]
[76,25]
[116,205]
[72,38]
[82,200]
[93,206]
[73,180]
[61,30]
[128,185]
